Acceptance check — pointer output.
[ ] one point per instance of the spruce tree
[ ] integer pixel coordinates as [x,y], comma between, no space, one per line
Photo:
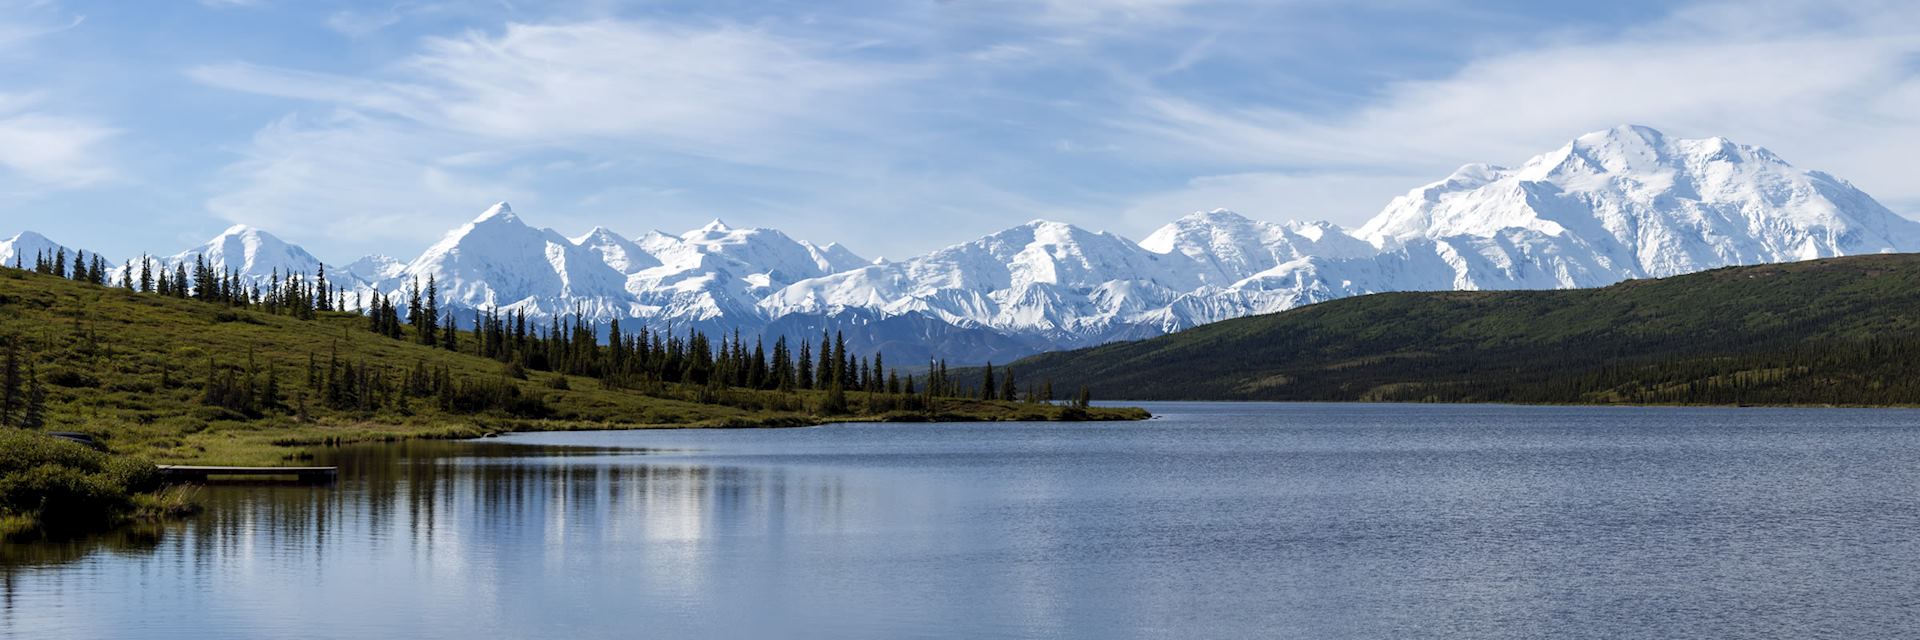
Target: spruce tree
[986,383]
[1008,390]
[415,313]
[803,378]
[844,365]
[326,290]
[836,401]
[146,274]
[823,371]
[450,336]
[11,394]
[34,416]
[430,311]
[270,395]
[202,278]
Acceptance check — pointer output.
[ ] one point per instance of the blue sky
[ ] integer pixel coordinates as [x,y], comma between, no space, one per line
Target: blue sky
[893,127]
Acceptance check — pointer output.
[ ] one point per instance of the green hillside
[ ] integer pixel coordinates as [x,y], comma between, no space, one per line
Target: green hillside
[254,377]
[1842,331]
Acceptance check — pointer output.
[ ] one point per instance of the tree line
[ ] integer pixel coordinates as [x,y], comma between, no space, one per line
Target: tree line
[22,400]
[644,359]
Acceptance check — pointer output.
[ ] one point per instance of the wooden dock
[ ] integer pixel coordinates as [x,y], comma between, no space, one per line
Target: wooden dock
[187,473]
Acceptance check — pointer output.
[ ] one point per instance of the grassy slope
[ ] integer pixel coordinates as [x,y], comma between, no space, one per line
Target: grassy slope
[107,351]
[1839,331]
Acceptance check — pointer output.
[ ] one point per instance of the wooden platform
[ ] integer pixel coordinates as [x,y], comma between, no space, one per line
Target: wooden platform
[186,473]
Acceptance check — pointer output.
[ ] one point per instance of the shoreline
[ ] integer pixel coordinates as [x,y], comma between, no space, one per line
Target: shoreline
[259,446]
[1561,405]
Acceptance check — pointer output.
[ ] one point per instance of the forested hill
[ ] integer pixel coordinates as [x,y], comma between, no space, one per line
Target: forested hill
[201,367]
[1837,331]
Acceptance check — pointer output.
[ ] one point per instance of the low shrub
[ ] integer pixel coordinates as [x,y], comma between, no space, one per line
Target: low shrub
[63,487]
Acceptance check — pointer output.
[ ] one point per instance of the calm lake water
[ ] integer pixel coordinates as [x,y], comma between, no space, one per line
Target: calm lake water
[1213,521]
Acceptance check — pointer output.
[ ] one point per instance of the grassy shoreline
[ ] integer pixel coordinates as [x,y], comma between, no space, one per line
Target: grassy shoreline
[286,445]
[51,488]
[231,381]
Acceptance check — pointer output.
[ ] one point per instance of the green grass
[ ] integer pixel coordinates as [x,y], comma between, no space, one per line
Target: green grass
[55,487]
[129,369]
[1843,331]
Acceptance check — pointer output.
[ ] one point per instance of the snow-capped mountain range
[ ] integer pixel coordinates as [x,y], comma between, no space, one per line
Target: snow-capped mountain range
[1622,203]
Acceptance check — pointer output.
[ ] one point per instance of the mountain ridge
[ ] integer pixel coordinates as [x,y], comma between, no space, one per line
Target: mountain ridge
[1833,331]
[1617,204]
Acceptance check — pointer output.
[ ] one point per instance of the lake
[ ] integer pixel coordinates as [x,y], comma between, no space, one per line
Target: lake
[1211,521]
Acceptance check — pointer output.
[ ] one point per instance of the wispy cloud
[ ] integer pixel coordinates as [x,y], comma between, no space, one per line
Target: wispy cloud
[347,175]
[49,149]
[366,21]
[40,145]
[1834,92]
[460,121]
[1114,113]
[699,91]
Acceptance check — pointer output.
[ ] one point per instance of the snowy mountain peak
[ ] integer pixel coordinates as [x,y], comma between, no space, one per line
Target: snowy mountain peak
[1632,202]
[23,247]
[1220,247]
[500,211]
[497,261]
[833,257]
[597,234]
[618,252]
[377,270]
[252,252]
[1625,202]
[28,237]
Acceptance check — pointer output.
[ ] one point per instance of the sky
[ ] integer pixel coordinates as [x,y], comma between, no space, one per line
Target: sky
[893,127]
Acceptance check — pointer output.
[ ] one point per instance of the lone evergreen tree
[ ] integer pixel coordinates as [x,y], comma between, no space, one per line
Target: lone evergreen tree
[416,315]
[836,401]
[986,384]
[450,335]
[429,312]
[34,416]
[804,377]
[11,396]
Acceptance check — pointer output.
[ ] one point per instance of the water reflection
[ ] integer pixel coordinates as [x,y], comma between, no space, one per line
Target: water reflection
[1217,521]
[469,521]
